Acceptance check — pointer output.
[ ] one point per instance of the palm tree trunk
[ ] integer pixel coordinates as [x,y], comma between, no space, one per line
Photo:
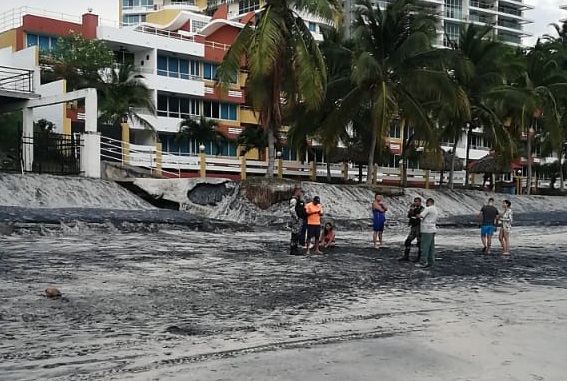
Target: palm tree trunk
[328,171]
[469,134]
[453,157]
[370,171]
[561,179]
[406,143]
[529,172]
[271,153]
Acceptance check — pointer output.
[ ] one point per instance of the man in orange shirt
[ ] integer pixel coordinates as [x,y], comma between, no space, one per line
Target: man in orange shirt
[314,211]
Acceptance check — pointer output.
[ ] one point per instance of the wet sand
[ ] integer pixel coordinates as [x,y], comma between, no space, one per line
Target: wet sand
[176,304]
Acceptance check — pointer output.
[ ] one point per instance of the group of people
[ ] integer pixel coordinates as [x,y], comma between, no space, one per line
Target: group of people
[306,225]
[490,219]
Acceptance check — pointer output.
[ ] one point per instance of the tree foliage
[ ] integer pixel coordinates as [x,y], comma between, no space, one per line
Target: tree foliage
[77,60]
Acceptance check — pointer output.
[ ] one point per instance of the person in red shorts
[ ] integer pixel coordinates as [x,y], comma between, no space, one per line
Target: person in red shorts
[314,211]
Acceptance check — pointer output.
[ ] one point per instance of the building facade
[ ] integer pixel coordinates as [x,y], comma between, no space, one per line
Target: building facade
[178,50]
[506,16]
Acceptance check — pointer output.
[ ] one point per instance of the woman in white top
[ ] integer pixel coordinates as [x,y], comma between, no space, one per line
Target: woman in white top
[505,222]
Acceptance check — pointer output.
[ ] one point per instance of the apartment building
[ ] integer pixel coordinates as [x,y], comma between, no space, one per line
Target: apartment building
[506,16]
[178,51]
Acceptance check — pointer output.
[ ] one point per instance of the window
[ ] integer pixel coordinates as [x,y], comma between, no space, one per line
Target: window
[177,67]
[133,19]
[452,32]
[219,110]
[454,9]
[477,141]
[196,25]
[395,129]
[312,26]
[209,70]
[129,4]
[176,106]
[246,6]
[173,67]
[162,65]
[45,43]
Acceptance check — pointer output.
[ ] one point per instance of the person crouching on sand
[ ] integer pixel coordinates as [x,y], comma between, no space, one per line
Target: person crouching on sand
[328,236]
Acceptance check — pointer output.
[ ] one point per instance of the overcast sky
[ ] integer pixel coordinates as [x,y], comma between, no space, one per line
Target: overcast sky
[545,12]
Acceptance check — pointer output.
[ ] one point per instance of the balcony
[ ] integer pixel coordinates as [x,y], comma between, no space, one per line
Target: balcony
[510,25]
[16,84]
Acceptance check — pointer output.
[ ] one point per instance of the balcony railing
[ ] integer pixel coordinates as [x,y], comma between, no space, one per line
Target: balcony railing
[18,80]
[14,18]
[179,36]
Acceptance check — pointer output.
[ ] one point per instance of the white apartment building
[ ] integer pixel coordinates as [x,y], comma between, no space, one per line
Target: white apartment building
[506,16]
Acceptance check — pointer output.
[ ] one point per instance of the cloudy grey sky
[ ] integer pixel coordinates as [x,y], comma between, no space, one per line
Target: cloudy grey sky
[545,12]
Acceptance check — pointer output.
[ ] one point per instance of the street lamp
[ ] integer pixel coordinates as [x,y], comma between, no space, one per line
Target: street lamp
[202,148]
[280,164]
[519,181]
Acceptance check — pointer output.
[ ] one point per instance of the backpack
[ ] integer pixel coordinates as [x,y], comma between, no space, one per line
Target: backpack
[300,209]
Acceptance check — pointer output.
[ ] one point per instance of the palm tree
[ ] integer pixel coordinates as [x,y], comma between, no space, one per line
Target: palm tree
[395,71]
[123,95]
[252,137]
[285,65]
[557,139]
[202,131]
[533,101]
[478,64]
[305,122]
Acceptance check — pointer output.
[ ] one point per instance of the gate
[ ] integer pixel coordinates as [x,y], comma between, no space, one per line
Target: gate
[53,153]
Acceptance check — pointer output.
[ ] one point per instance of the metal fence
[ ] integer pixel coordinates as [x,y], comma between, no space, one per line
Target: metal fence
[53,153]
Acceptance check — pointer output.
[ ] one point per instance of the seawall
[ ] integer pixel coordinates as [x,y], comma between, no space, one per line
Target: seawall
[46,191]
[227,200]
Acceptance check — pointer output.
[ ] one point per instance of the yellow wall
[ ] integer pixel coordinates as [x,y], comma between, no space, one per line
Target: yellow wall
[242,76]
[163,17]
[66,121]
[247,116]
[7,39]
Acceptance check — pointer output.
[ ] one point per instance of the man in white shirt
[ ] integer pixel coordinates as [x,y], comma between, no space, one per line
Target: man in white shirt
[428,230]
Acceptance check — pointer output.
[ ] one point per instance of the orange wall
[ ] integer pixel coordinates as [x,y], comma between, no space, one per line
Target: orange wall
[45,25]
[225,35]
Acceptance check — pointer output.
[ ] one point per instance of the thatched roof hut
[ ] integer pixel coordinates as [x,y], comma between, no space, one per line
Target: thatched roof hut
[489,164]
[439,161]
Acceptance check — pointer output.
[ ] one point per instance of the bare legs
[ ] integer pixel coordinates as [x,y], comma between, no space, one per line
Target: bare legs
[504,238]
[486,243]
[377,239]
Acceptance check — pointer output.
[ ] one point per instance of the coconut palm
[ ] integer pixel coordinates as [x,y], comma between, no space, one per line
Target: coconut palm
[305,122]
[533,101]
[202,131]
[252,137]
[557,139]
[395,71]
[478,64]
[123,95]
[285,65]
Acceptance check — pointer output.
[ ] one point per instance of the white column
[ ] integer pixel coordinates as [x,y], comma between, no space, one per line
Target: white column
[27,138]
[91,111]
[90,154]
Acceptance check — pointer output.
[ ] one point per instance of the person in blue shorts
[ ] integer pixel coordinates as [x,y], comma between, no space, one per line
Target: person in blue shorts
[379,209]
[487,219]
